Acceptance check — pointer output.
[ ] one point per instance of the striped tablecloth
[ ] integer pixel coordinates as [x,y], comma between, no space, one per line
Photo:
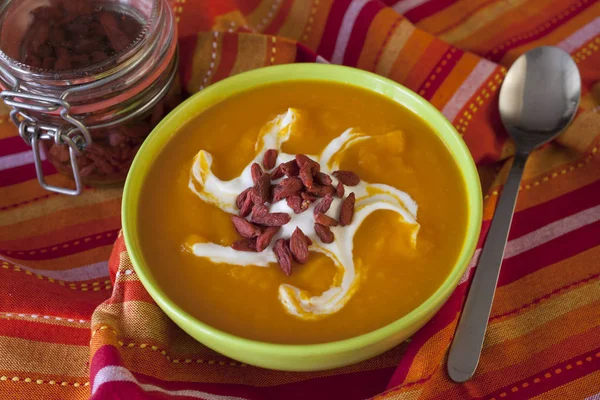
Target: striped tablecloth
[75,323]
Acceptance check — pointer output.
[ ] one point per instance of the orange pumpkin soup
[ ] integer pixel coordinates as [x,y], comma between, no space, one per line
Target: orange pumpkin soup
[407,230]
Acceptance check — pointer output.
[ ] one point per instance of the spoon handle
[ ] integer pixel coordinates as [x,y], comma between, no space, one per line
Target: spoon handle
[468,339]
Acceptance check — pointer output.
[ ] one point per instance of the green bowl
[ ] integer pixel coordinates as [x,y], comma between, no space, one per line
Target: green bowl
[315,356]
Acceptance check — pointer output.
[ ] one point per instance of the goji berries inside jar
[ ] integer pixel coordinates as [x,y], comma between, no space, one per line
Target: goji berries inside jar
[87,81]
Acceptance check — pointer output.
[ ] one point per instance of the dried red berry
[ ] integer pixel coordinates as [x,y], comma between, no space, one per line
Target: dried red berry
[348,178]
[239,202]
[277,173]
[286,188]
[284,256]
[246,244]
[301,159]
[297,203]
[264,240]
[323,205]
[247,206]
[324,233]
[339,190]
[347,210]
[326,220]
[269,159]
[308,197]
[256,172]
[272,219]
[263,188]
[290,168]
[299,243]
[245,228]
[321,191]
[323,179]
[306,175]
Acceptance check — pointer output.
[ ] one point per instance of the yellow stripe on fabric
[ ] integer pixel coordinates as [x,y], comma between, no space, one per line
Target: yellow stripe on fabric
[294,24]
[251,53]
[480,19]
[33,387]
[465,65]
[33,357]
[541,314]
[394,46]
[207,56]
[380,30]
[556,36]
[581,388]
[58,203]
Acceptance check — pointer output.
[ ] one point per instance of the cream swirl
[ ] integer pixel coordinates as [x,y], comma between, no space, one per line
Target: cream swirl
[369,198]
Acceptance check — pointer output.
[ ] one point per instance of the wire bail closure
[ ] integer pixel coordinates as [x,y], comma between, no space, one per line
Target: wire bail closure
[75,135]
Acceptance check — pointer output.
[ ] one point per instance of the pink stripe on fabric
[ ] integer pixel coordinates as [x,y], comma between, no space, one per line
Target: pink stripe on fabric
[114,373]
[480,74]
[346,29]
[577,39]
[18,159]
[406,5]
[84,273]
[543,235]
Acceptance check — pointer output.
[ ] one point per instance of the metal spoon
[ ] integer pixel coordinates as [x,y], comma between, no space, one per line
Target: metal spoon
[538,100]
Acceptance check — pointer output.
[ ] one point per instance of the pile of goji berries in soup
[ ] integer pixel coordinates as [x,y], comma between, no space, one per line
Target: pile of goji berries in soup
[71,34]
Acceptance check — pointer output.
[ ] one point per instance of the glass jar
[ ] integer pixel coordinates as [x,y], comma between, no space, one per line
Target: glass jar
[87,81]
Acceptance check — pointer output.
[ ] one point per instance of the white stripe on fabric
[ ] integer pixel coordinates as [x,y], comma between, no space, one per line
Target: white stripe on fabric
[594,397]
[114,373]
[476,78]
[577,39]
[346,30]
[406,5]
[18,159]
[543,235]
[84,273]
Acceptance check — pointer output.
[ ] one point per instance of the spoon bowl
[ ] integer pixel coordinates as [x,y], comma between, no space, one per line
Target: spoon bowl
[538,100]
[539,96]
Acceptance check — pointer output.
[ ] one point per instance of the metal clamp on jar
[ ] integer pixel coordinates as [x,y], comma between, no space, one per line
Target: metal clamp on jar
[87,81]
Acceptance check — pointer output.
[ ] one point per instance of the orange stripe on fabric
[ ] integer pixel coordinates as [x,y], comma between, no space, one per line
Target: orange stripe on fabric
[412,51]
[454,80]
[280,17]
[247,6]
[543,284]
[205,59]
[293,26]
[584,387]
[315,25]
[451,15]
[386,20]
[251,53]
[37,223]
[479,19]
[425,64]
[397,38]
[93,256]
[29,191]
[7,128]
[565,179]
[43,358]
[260,18]
[515,373]
[228,54]
[30,387]
[514,22]
[69,234]
[558,35]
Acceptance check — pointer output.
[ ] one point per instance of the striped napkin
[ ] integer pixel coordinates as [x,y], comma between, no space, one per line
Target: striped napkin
[75,321]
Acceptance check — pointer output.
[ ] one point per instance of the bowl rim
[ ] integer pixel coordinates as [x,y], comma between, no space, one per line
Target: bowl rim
[240,83]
